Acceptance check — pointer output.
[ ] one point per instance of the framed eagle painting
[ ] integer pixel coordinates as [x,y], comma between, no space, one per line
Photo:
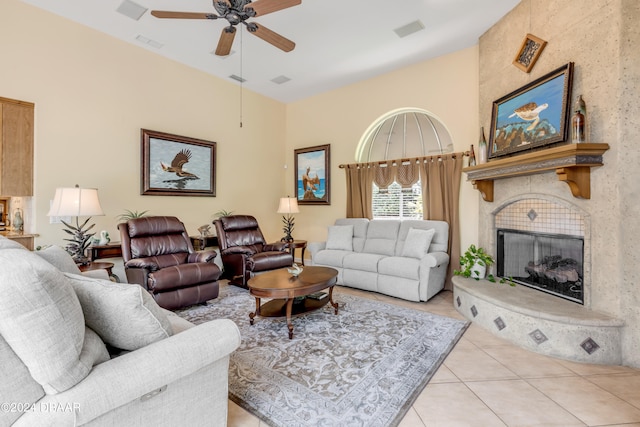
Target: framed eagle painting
[174,165]
[533,116]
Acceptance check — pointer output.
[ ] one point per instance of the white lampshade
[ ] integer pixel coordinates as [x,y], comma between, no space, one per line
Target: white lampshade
[75,202]
[288,205]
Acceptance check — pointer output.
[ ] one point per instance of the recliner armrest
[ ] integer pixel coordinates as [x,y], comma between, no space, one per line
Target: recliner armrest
[276,247]
[243,250]
[202,256]
[146,263]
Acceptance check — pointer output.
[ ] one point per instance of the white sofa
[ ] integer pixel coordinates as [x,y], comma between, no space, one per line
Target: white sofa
[57,371]
[404,259]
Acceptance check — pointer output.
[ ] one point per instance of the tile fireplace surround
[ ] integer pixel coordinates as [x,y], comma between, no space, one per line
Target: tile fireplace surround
[533,319]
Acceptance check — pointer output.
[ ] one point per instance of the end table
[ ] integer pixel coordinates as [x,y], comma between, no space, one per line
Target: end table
[298,244]
[100,266]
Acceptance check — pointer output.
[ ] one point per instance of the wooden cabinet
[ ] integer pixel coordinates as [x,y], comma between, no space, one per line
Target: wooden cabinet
[16,147]
[25,240]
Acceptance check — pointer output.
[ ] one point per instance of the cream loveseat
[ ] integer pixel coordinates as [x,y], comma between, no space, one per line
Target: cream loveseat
[56,370]
[404,259]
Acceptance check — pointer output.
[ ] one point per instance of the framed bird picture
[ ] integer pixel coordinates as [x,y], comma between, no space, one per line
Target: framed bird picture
[312,175]
[174,165]
[536,115]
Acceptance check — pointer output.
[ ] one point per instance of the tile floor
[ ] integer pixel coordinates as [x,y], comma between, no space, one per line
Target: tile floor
[486,382]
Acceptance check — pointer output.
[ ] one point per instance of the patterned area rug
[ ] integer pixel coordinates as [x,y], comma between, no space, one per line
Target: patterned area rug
[362,367]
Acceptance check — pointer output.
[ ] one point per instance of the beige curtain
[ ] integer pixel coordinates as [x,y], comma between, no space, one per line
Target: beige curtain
[359,190]
[440,179]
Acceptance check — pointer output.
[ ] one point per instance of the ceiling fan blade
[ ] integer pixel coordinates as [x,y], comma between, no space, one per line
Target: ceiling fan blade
[226,40]
[183,15]
[269,36]
[262,7]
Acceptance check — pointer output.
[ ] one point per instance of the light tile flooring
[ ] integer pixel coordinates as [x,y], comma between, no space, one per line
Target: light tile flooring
[486,382]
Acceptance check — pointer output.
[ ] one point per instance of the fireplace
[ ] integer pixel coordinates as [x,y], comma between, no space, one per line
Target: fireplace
[551,263]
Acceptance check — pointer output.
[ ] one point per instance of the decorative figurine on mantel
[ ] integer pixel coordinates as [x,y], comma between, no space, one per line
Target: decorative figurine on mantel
[579,122]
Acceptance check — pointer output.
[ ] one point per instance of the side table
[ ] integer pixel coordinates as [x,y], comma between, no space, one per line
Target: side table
[100,266]
[298,244]
[199,244]
[110,250]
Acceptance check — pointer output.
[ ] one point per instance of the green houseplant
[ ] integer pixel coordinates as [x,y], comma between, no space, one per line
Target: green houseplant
[474,263]
[127,215]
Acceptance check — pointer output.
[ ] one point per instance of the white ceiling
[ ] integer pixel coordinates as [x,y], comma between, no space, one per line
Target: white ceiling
[338,42]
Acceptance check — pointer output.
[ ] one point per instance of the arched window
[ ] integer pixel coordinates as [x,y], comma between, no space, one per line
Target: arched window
[401,134]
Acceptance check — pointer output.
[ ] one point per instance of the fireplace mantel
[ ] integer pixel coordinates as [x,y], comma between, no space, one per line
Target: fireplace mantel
[572,163]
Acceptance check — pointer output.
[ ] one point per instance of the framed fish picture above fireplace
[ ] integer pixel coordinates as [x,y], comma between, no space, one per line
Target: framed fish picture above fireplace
[533,116]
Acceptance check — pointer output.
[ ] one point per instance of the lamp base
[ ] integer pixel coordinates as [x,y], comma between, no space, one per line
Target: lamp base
[287,228]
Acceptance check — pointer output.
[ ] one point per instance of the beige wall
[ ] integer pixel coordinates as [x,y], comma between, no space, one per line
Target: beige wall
[93,94]
[446,86]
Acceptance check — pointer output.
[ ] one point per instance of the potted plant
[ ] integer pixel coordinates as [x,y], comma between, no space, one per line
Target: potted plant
[127,215]
[474,263]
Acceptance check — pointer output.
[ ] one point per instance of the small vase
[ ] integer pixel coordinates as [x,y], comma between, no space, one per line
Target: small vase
[478,271]
[482,148]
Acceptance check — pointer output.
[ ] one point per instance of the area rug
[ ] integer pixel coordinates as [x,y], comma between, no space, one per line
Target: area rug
[362,367]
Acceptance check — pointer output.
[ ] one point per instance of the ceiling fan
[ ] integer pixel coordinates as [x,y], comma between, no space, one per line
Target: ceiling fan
[237,12]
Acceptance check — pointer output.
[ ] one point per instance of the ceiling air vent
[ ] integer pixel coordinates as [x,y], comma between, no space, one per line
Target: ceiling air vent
[237,78]
[131,9]
[280,79]
[410,28]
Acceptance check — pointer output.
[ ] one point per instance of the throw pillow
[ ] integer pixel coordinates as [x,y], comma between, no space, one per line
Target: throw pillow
[340,237]
[41,320]
[417,243]
[59,258]
[124,315]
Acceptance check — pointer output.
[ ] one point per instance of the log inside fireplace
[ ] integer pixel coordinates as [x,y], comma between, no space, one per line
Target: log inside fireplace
[551,263]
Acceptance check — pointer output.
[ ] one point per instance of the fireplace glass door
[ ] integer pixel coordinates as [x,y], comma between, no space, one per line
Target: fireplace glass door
[549,263]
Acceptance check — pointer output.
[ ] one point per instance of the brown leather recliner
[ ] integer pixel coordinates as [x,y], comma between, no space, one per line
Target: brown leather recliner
[244,251]
[159,256]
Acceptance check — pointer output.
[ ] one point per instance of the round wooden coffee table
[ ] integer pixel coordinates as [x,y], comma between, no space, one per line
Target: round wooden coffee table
[292,295]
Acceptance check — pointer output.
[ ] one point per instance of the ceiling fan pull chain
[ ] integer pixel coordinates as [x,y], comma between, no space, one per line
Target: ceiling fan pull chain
[241,78]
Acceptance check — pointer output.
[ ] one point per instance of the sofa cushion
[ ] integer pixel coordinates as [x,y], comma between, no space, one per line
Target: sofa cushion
[440,241]
[381,237]
[330,257]
[363,262]
[17,383]
[59,258]
[406,267]
[360,226]
[417,243]
[340,237]
[124,315]
[41,320]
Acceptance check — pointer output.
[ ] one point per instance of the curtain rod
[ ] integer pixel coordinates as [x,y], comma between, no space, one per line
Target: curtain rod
[410,159]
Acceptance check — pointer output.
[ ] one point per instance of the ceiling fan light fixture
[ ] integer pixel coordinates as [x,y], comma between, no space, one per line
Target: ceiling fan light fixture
[131,10]
[408,29]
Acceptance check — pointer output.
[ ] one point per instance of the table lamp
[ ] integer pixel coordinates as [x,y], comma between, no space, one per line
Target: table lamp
[77,202]
[288,205]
